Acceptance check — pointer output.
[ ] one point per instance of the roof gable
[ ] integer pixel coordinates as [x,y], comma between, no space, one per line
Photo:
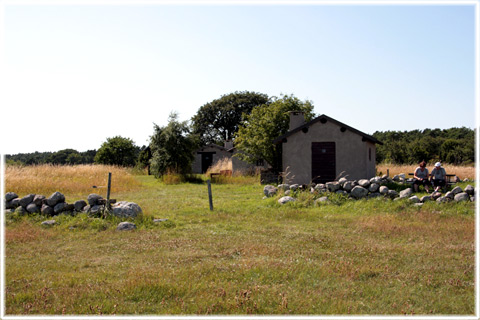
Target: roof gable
[323,119]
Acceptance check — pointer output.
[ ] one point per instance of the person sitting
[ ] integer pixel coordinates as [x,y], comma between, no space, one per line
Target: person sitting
[439,176]
[420,177]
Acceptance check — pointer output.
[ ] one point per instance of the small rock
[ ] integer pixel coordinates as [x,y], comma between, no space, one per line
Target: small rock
[9,196]
[47,210]
[345,193]
[285,199]
[321,200]
[456,190]
[462,196]
[21,211]
[383,190]
[426,198]
[55,198]
[126,209]
[25,201]
[414,199]
[38,200]
[125,226]
[32,208]
[333,186]
[373,187]
[79,205]
[96,209]
[442,199]
[348,186]
[419,204]
[406,193]
[59,207]
[374,195]
[294,187]
[287,193]
[470,190]
[284,187]
[363,183]
[392,194]
[359,192]
[48,223]
[159,220]
[436,195]
[450,195]
[342,181]
[94,199]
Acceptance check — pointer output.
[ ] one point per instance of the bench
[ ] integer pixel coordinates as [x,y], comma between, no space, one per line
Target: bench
[227,173]
[450,179]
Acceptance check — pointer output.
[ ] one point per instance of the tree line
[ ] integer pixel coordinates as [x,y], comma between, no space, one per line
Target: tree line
[252,120]
[454,146]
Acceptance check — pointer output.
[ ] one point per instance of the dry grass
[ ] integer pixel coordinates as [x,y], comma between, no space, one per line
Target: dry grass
[461,171]
[75,180]
[220,165]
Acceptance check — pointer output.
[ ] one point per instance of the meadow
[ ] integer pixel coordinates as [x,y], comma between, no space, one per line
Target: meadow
[247,256]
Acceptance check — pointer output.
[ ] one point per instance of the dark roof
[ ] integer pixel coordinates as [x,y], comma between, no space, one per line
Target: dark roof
[213,145]
[327,118]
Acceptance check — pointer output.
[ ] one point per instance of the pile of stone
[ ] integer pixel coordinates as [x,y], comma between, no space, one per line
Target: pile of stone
[368,188]
[55,205]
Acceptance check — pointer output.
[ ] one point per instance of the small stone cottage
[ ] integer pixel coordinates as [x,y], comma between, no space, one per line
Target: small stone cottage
[324,149]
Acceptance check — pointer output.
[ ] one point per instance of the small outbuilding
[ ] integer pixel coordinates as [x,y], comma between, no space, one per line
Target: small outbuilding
[324,150]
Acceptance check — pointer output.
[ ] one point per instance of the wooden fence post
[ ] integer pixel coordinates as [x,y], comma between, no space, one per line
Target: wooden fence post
[107,204]
[210,201]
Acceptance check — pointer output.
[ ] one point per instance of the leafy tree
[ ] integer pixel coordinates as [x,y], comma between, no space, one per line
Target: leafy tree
[117,151]
[144,156]
[218,120]
[172,148]
[265,123]
[65,156]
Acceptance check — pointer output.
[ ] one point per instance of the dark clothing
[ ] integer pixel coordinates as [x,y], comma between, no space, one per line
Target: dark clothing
[439,182]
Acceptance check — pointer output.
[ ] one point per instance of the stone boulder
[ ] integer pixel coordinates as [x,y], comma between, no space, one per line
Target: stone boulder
[59,207]
[47,210]
[426,198]
[48,223]
[32,208]
[38,200]
[333,186]
[414,199]
[406,193]
[94,199]
[373,187]
[268,190]
[126,209]
[9,196]
[450,195]
[470,190]
[363,183]
[456,190]
[392,194]
[126,226]
[442,199]
[79,205]
[285,199]
[25,201]
[55,198]
[284,187]
[321,200]
[294,187]
[342,181]
[436,195]
[462,196]
[348,186]
[377,180]
[383,190]
[359,192]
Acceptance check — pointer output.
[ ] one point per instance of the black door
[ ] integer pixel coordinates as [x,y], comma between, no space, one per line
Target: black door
[207,158]
[323,162]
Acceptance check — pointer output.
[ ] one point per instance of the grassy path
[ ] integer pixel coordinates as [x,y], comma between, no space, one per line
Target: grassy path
[248,256]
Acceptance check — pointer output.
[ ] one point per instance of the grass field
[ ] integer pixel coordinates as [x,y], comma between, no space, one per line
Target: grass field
[248,256]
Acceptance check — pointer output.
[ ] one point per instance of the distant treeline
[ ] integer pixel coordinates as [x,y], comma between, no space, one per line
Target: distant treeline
[66,156]
[454,145]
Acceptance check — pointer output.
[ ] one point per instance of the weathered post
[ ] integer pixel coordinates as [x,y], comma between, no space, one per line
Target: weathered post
[210,201]
[388,172]
[107,204]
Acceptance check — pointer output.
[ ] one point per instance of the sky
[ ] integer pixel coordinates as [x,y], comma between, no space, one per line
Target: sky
[74,75]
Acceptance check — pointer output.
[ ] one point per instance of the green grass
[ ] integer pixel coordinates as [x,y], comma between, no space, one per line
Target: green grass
[248,256]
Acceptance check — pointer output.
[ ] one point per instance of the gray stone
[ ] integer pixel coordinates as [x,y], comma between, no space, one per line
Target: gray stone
[284,187]
[359,192]
[9,196]
[21,211]
[48,223]
[363,183]
[93,199]
[59,207]
[294,187]
[87,208]
[126,209]
[374,195]
[419,204]
[450,195]
[462,196]
[320,187]
[79,205]
[342,181]
[472,198]
[392,194]
[426,198]
[287,193]
[442,199]
[396,178]
[126,226]
[375,180]
[159,220]
[15,202]
[414,199]
[345,193]
[383,190]
[38,200]
[25,201]
[33,208]
[373,187]
[285,199]
[47,210]
[55,198]
[406,193]
[11,204]
[348,186]
[456,190]
[470,190]
[321,200]
[96,209]
[436,195]
[333,186]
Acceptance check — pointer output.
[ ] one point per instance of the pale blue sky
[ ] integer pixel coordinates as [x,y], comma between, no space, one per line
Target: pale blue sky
[76,75]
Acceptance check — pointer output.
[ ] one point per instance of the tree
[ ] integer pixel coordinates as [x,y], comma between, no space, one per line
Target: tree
[172,148]
[265,123]
[117,151]
[218,120]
